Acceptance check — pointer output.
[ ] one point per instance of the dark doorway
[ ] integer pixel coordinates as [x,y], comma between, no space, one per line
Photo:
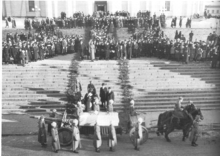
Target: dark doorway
[100,6]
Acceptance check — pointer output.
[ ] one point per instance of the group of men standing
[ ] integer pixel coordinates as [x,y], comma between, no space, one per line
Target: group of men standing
[174,22]
[92,99]
[76,139]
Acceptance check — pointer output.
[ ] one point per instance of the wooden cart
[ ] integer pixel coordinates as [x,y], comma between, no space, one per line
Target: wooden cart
[133,119]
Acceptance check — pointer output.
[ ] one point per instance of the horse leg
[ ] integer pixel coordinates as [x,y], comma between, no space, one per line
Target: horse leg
[167,132]
[184,135]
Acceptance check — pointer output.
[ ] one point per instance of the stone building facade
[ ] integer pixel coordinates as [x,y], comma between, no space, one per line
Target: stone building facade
[49,8]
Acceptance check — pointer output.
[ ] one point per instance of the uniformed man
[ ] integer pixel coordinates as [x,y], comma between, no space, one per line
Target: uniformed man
[52,115]
[178,105]
[195,131]
[138,135]
[97,140]
[42,134]
[112,138]
[55,138]
[76,136]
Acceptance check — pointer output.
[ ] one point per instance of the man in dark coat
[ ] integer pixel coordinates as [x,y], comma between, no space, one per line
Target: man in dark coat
[103,95]
[91,87]
[42,134]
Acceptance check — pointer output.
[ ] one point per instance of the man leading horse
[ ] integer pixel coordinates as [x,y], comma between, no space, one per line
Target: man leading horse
[181,118]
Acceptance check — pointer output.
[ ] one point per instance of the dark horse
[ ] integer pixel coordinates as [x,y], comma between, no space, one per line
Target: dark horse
[167,122]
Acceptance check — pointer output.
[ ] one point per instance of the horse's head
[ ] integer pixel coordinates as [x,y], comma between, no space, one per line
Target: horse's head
[196,112]
[199,112]
[190,108]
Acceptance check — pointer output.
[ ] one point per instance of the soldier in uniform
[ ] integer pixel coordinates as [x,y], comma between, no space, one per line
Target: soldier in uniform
[76,136]
[195,131]
[55,138]
[97,140]
[52,115]
[138,135]
[42,134]
[112,138]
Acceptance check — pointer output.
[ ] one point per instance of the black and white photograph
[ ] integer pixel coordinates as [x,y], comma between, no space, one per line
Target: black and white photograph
[114,77]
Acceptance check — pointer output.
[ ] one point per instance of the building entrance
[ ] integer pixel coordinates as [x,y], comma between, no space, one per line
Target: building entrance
[100,6]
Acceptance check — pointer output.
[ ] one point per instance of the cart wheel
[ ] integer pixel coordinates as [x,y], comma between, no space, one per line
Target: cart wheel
[65,136]
[144,132]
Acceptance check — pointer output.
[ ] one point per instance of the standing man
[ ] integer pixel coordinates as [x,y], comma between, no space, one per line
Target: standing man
[91,88]
[55,137]
[42,133]
[103,95]
[76,136]
[52,115]
[191,36]
[138,134]
[97,140]
[110,96]
[112,138]
[195,131]
[180,23]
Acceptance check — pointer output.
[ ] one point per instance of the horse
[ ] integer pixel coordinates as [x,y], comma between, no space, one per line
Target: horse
[170,122]
[164,117]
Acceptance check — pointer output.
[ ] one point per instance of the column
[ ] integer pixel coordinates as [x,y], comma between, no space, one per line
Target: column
[55,5]
[90,7]
[8,7]
[69,8]
[37,6]
[49,9]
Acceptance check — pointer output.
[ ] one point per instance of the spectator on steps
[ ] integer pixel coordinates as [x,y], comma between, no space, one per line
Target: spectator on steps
[191,36]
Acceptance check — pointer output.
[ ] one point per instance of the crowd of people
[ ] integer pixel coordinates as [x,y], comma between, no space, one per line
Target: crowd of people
[155,43]
[20,48]
[79,20]
[104,45]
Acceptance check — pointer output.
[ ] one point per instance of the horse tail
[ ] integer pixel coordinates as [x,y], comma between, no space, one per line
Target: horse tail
[159,125]
[159,120]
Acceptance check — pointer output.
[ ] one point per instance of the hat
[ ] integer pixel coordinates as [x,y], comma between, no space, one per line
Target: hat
[140,120]
[90,94]
[54,124]
[75,121]
[132,102]
[111,102]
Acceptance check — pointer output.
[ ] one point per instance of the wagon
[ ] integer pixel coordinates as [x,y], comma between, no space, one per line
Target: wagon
[87,120]
[133,119]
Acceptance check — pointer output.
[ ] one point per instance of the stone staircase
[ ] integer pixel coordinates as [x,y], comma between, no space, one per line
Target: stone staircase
[158,85]
[155,85]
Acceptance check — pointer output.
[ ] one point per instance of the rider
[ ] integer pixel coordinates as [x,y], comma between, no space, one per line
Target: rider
[178,105]
[178,109]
